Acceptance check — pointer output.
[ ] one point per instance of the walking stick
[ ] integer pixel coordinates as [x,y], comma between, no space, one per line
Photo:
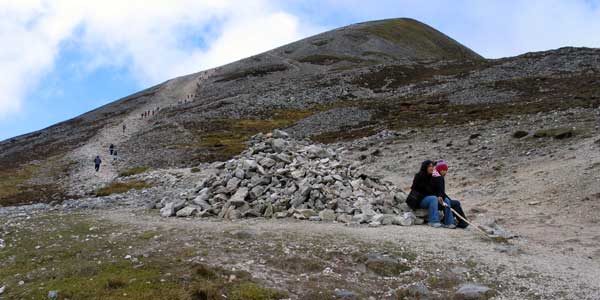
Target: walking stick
[473,225]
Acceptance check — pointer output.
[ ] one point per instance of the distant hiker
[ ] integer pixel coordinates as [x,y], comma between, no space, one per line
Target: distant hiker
[124,127]
[142,115]
[422,195]
[439,188]
[115,155]
[111,148]
[97,162]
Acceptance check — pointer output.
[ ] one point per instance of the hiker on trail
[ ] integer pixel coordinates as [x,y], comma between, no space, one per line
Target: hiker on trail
[439,188]
[422,195]
[115,155]
[111,148]
[124,127]
[97,162]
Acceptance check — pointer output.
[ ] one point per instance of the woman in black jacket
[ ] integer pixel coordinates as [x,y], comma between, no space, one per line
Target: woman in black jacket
[422,194]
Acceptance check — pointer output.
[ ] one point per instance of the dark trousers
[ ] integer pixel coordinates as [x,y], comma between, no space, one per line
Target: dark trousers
[111,151]
[455,204]
[97,167]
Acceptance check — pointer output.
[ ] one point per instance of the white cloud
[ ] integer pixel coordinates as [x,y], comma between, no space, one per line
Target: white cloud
[154,40]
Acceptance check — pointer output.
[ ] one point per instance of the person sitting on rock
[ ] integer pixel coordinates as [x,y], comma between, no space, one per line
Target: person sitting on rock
[422,195]
[439,187]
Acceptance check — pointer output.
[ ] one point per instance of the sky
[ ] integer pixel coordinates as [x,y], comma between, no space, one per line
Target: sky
[62,58]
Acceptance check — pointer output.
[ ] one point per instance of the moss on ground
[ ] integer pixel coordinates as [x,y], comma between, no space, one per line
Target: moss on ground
[122,187]
[133,171]
[253,72]
[33,182]
[225,138]
[84,258]
[557,133]
[326,60]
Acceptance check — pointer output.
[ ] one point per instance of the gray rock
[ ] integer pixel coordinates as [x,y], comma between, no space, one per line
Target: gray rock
[327,215]
[256,192]
[280,134]
[52,295]
[344,218]
[345,295]
[187,211]
[278,145]
[239,173]
[171,208]
[239,198]
[316,151]
[249,165]
[267,162]
[232,184]
[418,290]
[473,291]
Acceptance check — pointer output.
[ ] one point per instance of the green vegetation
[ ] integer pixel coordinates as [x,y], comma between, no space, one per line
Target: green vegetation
[227,138]
[387,268]
[396,76]
[557,133]
[326,60]
[122,187]
[133,171]
[17,185]
[195,170]
[85,259]
[256,71]
[425,41]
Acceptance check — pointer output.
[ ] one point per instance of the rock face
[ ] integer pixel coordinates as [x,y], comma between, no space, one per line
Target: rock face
[472,291]
[282,177]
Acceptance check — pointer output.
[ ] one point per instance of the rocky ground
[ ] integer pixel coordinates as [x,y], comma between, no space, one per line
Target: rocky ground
[543,189]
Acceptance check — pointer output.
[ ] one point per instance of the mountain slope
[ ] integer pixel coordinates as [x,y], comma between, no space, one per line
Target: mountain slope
[342,84]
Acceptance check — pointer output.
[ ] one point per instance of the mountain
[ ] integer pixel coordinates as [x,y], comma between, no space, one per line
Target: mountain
[339,85]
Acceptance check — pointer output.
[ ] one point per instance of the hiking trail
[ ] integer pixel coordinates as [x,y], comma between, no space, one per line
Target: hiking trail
[83,178]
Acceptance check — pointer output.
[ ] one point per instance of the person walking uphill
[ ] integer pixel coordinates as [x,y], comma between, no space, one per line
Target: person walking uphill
[439,188]
[111,148]
[97,162]
[422,195]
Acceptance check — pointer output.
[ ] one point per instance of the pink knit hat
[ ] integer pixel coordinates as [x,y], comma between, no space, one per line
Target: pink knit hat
[441,165]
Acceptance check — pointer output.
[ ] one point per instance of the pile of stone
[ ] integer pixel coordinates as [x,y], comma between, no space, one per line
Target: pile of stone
[279,177]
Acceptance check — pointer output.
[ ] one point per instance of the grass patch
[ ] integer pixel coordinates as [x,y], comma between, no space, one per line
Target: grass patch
[33,182]
[122,187]
[253,72]
[326,60]
[133,171]
[222,139]
[557,133]
[297,264]
[62,253]
[195,170]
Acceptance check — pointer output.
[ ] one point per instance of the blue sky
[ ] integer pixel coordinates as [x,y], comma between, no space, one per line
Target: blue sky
[62,58]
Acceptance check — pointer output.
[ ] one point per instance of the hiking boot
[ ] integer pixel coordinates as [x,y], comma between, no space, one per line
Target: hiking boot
[451,226]
[435,225]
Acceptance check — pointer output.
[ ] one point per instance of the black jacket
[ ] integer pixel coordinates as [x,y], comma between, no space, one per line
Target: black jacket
[97,160]
[438,185]
[423,186]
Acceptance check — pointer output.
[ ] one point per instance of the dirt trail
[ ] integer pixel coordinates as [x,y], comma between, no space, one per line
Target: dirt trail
[84,178]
